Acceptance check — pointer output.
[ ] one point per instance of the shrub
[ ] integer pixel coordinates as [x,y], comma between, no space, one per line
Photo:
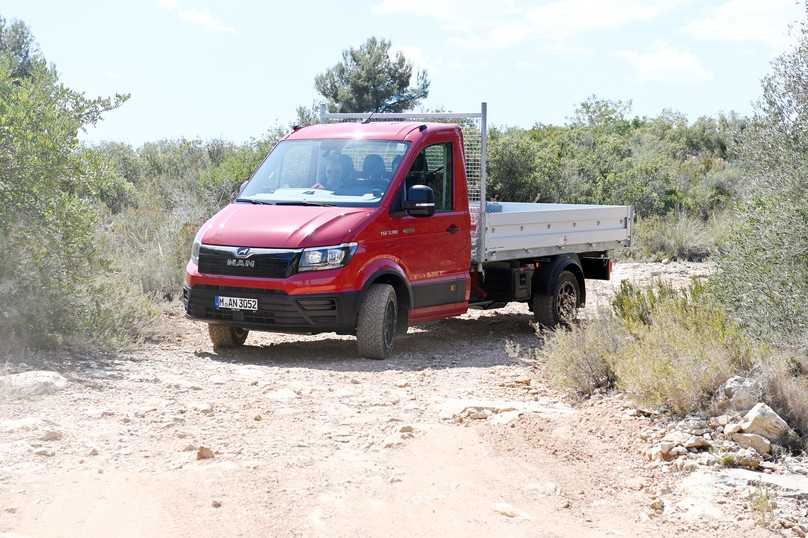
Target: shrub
[635,305]
[664,347]
[56,284]
[676,236]
[677,364]
[578,358]
[763,270]
[762,274]
[685,346]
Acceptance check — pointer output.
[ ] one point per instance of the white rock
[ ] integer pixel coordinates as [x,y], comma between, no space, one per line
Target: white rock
[666,447]
[729,429]
[393,441]
[179,383]
[282,395]
[33,383]
[762,420]
[505,418]
[655,453]
[676,437]
[738,394]
[27,424]
[542,489]
[452,409]
[747,458]
[752,440]
[206,408]
[50,435]
[678,451]
[696,442]
[722,420]
[509,511]
[791,485]
[693,426]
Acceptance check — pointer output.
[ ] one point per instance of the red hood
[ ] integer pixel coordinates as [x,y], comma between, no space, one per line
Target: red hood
[277,226]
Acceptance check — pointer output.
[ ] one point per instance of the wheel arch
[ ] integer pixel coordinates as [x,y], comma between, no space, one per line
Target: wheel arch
[549,271]
[403,290]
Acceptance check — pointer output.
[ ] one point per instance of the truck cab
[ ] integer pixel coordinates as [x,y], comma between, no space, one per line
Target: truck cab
[362,229]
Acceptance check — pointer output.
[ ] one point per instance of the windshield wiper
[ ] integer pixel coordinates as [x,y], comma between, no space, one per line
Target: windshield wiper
[252,201]
[305,202]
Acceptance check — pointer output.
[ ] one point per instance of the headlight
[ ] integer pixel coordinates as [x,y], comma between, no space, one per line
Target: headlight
[195,248]
[322,258]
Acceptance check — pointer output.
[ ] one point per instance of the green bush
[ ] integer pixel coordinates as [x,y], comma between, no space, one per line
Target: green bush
[763,268]
[56,284]
[762,273]
[664,347]
[635,305]
[178,184]
[684,347]
[658,165]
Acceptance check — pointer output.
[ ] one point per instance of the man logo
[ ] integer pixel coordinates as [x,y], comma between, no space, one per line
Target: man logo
[240,263]
[240,260]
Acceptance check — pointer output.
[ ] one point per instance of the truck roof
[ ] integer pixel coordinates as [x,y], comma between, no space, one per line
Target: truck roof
[380,130]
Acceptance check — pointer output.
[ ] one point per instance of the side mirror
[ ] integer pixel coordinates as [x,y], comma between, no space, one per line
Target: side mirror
[420,201]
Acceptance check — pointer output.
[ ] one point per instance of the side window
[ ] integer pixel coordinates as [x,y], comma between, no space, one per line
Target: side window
[433,168]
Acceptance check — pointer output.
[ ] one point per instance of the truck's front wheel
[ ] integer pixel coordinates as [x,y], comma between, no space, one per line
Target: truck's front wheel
[224,336]
[561,305]
[376,324]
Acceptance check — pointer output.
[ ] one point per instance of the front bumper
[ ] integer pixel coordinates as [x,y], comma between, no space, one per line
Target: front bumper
[277,310]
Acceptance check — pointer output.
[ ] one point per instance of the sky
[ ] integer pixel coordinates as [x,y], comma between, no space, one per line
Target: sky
[233,69]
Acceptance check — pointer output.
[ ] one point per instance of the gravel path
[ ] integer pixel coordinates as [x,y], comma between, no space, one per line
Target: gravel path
[308,440]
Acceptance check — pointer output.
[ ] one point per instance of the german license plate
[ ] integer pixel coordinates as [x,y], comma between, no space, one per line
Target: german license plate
[235,303]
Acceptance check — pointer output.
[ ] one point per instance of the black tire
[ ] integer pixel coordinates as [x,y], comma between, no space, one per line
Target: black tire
[561,306]
[376,324]
[224,336]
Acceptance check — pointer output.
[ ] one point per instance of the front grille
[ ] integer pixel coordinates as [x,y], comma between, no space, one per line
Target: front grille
[214,261]
[274,308]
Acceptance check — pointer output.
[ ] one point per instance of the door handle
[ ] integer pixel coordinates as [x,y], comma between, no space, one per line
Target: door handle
[453,229]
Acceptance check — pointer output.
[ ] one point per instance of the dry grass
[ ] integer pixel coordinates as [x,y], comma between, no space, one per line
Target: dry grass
[763,505]
[787,391]
[577,359]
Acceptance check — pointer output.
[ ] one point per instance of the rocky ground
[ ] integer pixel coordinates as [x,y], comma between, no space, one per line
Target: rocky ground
[295,436]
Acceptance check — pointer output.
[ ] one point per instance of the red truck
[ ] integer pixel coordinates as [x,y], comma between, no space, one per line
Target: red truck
[367,227]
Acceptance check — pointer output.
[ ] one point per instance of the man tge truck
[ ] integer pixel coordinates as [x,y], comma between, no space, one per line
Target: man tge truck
[365,225]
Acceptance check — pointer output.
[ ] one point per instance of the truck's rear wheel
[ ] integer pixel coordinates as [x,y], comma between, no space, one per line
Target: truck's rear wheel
[224,336]
[376,323]
[561,305]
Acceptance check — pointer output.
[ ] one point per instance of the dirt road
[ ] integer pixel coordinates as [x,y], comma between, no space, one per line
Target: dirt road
[311,441]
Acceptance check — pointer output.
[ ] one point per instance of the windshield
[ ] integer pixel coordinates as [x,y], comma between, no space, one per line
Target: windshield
[326,172]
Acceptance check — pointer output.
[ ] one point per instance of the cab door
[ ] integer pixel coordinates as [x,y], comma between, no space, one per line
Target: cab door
[436,249]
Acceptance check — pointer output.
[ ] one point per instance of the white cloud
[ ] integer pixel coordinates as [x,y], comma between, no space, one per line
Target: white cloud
[202,18]
[747,20]
[664,63]
[481,24]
